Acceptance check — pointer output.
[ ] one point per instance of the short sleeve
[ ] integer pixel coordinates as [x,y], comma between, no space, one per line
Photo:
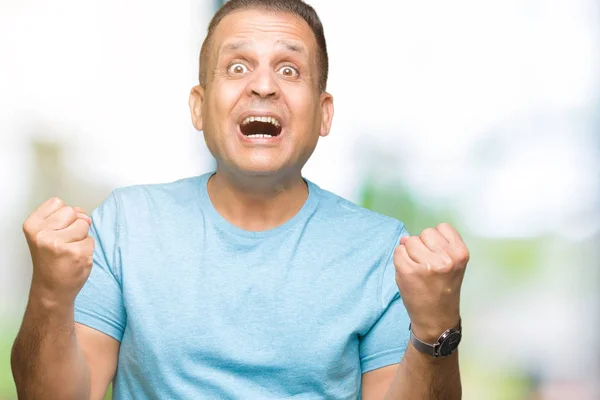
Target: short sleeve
[384,344]
[99,304]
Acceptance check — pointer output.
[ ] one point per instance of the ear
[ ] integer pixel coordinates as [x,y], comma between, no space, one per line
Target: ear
[326,113]
[196,101]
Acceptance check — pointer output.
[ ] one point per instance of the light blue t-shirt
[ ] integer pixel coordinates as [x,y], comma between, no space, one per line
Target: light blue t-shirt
[205,310]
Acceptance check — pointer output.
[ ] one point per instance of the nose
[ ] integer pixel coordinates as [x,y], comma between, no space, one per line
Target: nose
[263,84]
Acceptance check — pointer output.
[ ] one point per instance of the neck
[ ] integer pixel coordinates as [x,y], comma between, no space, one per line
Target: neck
[257,203]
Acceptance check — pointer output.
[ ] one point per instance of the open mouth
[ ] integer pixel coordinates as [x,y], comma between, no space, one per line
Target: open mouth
[260,127]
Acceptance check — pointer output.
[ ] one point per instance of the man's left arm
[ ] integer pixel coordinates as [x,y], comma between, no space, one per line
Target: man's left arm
[429,274]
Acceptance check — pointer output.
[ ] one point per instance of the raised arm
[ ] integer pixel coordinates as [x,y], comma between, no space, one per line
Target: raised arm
[429,274]
[52,357]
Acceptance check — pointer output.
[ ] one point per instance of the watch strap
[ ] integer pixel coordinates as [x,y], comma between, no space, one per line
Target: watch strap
[431,349]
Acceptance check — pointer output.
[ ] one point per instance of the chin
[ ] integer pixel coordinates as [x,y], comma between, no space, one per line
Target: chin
[260,171]
[260,168]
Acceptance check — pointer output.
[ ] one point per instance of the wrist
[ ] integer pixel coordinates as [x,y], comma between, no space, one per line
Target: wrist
[430,333]
[443,345]
[49,301]
[50,314]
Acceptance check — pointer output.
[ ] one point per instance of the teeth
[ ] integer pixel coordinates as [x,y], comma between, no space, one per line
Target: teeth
[270,120]
[258,135]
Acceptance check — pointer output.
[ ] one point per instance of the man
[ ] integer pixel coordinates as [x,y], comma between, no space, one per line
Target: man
[250,282]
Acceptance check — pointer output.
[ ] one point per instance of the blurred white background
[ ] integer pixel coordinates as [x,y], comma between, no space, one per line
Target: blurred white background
[487,113]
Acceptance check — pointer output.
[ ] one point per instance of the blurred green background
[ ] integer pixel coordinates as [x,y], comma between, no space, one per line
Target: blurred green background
[443,114]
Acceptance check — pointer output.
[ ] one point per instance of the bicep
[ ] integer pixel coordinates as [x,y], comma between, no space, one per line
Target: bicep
[376,383]
[101,353]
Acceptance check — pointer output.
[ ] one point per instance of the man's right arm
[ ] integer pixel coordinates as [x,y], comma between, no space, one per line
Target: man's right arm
[53,357]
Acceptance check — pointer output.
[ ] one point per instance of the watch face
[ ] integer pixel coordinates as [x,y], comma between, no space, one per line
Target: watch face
[450,343]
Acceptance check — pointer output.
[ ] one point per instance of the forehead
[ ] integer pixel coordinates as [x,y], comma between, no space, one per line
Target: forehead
[251,27]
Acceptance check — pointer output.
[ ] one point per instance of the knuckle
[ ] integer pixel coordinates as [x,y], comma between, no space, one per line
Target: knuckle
[89,261]
[82,252]
[413,240]
[75,252]
[57,246]
[443,225]
[440,265]
[80,226]
[446,264]
[69,212]
[45,238]
[56,201]
[82,259]
[398,261]
[40,237]
[464,255]
[398,251]
[440,268]
[28,226]
[428,232]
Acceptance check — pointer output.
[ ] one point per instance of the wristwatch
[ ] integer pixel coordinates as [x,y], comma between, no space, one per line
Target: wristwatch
[446,344]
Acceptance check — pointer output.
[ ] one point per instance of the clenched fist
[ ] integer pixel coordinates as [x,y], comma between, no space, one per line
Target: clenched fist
[429,274]
[61,250]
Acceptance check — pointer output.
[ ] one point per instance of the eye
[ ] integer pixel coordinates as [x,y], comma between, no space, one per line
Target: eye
[288,71]
[237,69]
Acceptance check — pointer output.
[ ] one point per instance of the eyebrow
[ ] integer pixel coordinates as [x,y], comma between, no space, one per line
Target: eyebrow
[233,46]
[292,46]
[241,44]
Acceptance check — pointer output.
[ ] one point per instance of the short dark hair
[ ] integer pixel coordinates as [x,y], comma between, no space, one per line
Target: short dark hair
[296,7]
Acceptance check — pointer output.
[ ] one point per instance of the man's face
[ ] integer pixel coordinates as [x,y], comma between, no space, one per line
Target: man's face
[261,110]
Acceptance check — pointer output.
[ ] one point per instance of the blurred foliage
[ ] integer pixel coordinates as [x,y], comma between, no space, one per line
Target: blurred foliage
[397,202]
[518,259]
[480,383]
[7,386]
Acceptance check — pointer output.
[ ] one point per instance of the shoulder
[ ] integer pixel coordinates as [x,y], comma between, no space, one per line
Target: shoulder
[152,202]
[181,190]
